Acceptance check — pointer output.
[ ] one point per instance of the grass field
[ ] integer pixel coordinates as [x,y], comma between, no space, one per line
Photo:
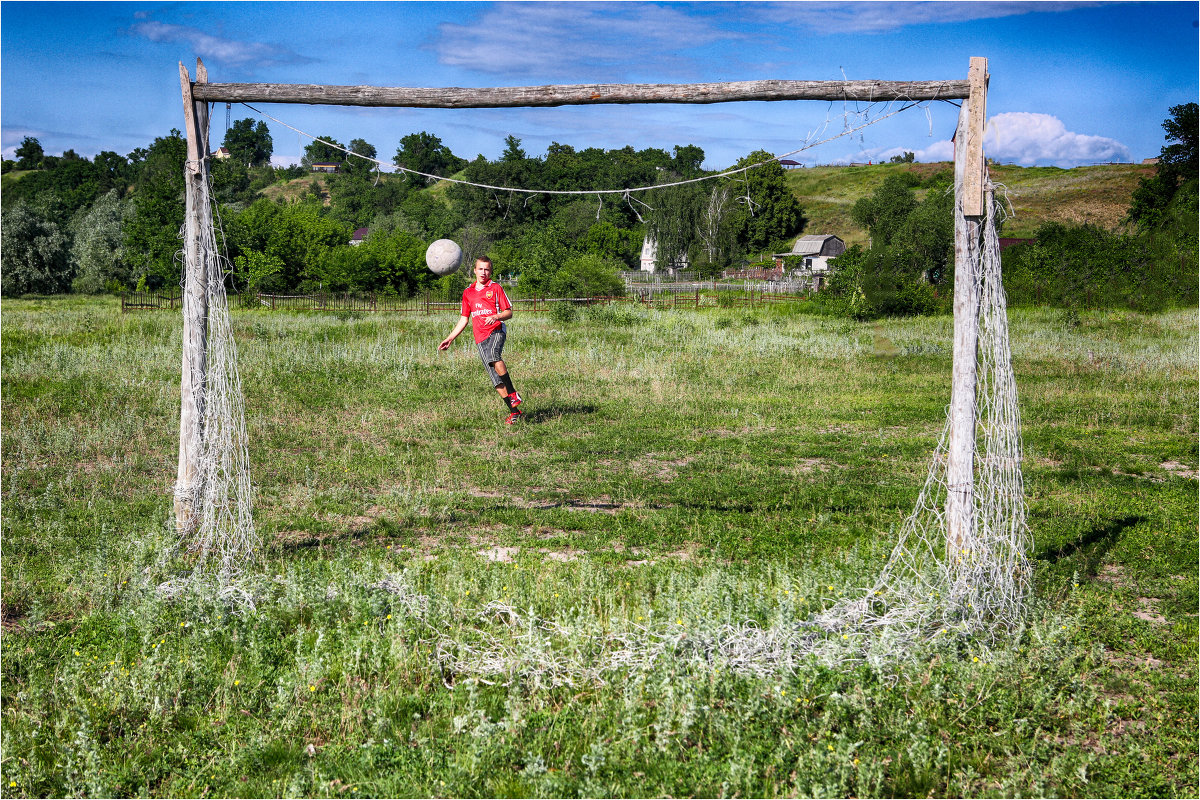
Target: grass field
[445,606]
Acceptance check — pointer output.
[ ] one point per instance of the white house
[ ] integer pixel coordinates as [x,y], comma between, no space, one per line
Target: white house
[650,256]
[814,252]
[816,249]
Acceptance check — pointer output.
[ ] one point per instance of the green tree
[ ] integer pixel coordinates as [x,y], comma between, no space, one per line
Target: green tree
[687,160]
[424,152]
[536,255]
[294,240]
[98,246]
[512,149]
[249,143]
[611,243]
[884,212]
[34,253]
[29,153]
[360,166]
[230,181]
[352,198]
[587,275]
[318,152]
[113,166]
[1177,164]
[386,262]
[674,222]
[152,232]
[766,213]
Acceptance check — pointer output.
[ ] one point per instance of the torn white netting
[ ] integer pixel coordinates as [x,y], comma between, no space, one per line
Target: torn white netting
[221,532]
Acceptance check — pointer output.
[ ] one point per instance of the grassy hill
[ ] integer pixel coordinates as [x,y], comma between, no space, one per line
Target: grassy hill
[1098,194]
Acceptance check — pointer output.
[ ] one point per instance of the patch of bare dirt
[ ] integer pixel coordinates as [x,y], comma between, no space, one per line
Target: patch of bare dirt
[1178,470]
[807,466]
[1112,574]
[504,554]
[1148,611]
[663,469]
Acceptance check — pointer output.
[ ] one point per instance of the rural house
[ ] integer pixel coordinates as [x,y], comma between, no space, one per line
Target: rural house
[650,256]
[813,252]
[221,152]
[325,166]
[359,236]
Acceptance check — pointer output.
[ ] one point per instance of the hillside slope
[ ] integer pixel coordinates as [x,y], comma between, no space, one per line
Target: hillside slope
[1099,194]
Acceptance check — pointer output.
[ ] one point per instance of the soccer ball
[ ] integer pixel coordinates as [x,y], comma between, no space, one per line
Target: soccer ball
[443,257]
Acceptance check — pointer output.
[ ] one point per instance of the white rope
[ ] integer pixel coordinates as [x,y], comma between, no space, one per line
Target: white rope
[905,105]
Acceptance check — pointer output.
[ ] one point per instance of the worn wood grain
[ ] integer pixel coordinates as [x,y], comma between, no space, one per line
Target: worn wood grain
[586,94]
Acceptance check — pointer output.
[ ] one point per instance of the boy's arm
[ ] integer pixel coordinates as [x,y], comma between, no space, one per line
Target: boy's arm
[463,322]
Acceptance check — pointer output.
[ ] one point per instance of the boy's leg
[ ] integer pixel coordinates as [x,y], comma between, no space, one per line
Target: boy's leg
[506,389]
[490,351]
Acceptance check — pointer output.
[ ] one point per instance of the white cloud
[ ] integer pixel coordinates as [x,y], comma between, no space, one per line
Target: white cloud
[227,51]
[553,39]
[876,17]
[1027,138]
[1016,137]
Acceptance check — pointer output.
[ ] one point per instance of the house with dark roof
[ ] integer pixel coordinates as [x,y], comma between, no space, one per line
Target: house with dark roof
[810,256]
[359,236]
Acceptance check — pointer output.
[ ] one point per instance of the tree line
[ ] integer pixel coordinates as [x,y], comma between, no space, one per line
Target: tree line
[1148,266]
[113,222]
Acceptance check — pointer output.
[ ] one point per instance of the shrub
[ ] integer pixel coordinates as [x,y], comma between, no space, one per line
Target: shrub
[612,315]
[563,313]
[33,253]
[99,247]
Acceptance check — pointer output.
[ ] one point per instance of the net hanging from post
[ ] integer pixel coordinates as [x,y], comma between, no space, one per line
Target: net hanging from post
[980,584]
[222,536]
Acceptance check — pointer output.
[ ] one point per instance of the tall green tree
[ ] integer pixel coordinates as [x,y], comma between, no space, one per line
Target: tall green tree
[34,253]
[424,152]
[360,166]
[674,222]
[766,212]
[1177,164]
[29,153]
[884,212]
[318,152]
[249,143]
[152,233]
[98,246]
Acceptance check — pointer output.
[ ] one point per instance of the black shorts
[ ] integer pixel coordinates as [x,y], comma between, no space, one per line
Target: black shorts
[490,351]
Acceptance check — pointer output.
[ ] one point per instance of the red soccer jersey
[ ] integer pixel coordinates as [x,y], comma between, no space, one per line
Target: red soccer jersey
[479,304]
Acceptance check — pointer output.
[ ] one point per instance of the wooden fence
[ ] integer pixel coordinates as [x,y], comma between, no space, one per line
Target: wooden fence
[662,298]
[149,301]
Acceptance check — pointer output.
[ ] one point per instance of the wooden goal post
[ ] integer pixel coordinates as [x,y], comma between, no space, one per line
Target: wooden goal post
[969,167]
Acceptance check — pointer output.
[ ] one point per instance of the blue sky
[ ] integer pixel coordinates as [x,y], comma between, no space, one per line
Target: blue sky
[1071,82]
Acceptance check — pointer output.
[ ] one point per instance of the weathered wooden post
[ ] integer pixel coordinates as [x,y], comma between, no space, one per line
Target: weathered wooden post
[194,303]
[969,177]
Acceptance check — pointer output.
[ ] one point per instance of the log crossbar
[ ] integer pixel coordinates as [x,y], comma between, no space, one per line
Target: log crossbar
[586,94]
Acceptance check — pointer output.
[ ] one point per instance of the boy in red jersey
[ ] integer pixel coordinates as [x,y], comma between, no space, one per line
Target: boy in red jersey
[485,307]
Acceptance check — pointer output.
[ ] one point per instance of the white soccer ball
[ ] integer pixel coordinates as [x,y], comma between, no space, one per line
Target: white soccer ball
[443,257]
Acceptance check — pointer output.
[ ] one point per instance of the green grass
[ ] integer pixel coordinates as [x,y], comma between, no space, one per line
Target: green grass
[446,606]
